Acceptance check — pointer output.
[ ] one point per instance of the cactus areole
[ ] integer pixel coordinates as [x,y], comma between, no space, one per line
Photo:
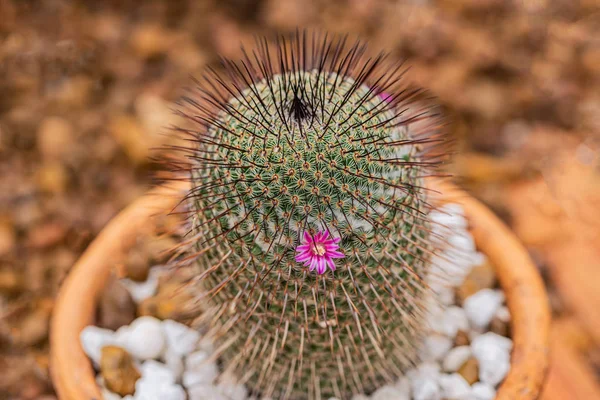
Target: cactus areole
[308,216]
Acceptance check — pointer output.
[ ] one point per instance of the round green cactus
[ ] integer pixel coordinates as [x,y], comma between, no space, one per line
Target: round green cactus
[309,215]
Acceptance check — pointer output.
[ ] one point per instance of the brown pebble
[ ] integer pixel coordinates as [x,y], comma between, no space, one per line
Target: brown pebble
[470,370]
[52,177]
[54,138]
[169,303]
[149,40]
[8,238]
[480,277]
[500,327]
[137,265]
[10,282]
[127,131]
[116,307]
[461,339]
[118,370]
[33,329]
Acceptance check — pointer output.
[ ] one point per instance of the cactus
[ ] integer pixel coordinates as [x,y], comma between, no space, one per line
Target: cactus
[308,215]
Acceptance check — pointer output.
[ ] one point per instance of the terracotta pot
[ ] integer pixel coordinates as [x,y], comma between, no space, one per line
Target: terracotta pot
[75,307]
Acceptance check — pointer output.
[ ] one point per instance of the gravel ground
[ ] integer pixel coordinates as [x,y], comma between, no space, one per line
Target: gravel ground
[85,89]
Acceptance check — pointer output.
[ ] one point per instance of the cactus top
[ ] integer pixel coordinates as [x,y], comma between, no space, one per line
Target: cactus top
[306,152]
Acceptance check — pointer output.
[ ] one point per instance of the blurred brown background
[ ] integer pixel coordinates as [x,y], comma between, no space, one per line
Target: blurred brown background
[85,91]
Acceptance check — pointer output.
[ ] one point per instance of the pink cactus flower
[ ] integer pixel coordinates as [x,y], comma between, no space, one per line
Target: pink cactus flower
[318,252]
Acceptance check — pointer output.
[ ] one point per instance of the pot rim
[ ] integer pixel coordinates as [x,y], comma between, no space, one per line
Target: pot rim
[75,306]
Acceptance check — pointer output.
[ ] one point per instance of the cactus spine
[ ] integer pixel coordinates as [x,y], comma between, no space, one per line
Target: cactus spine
[308,215]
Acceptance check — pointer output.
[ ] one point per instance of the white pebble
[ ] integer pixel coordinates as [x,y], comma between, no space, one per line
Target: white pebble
[199,370]
[153,370]
[431,369]
[205,392]
[449,321]
[425,388]
[140,291]
[108,395]
[482,391]
[174,362]
[503,314]
[231,388]
[493,354]
[150,389]
[181,338]
[462,241]
[454,387]
[93,339]
[144,339]
[388,393]
[491,339]
[481,306]
[403,386]
[444,294]
[206,344]
[449,218]
[456,358]
[437,346]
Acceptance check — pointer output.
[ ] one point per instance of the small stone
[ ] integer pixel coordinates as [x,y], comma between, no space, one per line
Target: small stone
[426,388]
[174,362]
[168,303]
[360,397]
[470,370]
[503,314]
[108,395]
[481,306]
[55,138]
[436,346]
[93,339]
[145,339]
[231,388]
[116,307]
[149,389]
[454,387]
[462,338]
[10,282]
[8,238]
[462,242]
[205,391]
[451,320]
[181,338]
[499,327]
[491,339]
[482,391]
[154,370]
[450,216]
[199,370]
[403,386]
[118,370]
[141,291]
[388,393]
[149,40]
[137,266]
[480,277]
[126,130]
[456,358]
[493,354]
[34,327]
